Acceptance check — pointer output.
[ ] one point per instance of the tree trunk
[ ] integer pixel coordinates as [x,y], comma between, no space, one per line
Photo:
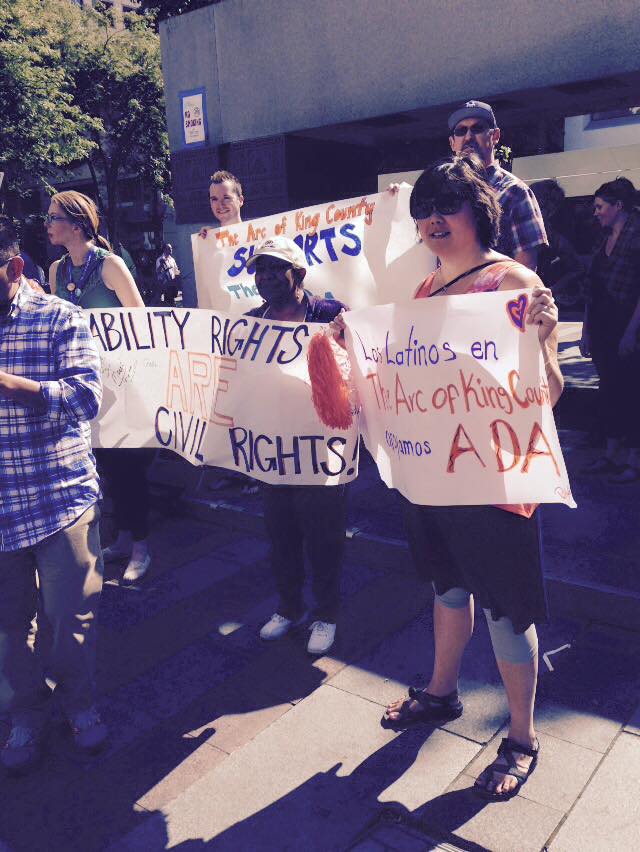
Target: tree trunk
[112,206]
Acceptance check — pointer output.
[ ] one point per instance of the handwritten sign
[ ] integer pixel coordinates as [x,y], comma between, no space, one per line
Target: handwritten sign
[455,401]
[363,251]
[217,389]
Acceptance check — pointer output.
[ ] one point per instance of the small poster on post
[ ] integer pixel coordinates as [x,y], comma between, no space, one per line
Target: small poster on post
[194,116]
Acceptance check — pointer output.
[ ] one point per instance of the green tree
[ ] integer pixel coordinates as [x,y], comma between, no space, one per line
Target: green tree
[117,83]
[41,126]
[170,8]
[74,91]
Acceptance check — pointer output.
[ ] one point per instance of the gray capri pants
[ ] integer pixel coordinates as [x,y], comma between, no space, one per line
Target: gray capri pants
[508,645]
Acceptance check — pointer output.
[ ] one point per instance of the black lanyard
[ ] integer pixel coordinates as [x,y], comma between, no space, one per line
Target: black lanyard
[463,275]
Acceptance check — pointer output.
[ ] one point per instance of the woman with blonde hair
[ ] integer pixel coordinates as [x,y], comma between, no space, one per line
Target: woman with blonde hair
[92,276]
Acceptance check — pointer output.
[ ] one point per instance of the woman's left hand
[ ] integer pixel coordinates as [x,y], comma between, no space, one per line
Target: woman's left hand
[627,345]
[543,311]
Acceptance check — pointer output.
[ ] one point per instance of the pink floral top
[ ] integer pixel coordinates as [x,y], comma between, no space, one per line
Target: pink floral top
[488,280]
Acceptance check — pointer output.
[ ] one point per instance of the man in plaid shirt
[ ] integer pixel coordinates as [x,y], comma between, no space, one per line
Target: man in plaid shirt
[522,233]
[49,391]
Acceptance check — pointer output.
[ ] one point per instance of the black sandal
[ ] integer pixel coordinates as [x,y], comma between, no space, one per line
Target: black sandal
[508,749]
[433,708]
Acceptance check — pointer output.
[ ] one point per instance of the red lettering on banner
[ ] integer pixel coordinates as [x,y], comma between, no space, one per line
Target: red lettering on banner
[532,452]
[497,444]
[458,449]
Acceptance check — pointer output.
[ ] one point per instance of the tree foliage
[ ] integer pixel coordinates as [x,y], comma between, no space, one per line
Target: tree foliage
[41,126]
[88,93]
[170,8]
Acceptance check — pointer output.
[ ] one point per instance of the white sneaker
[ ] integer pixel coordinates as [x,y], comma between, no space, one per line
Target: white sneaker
[136,569]
[322,637]
[278,626]
[115,552]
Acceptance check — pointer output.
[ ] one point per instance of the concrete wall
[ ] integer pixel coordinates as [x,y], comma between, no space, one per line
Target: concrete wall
[282,65]
[579,133]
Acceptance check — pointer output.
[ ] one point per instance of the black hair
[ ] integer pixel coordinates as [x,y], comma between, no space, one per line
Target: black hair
[9,238]
[465,176]
[621,189]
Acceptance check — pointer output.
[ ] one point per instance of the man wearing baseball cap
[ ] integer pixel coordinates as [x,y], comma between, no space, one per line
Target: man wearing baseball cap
[473,128]
[300,516]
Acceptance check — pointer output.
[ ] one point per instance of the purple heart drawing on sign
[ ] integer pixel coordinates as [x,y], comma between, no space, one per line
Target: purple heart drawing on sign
[517,310]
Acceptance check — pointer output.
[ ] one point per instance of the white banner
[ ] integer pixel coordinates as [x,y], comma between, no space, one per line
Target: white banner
[219,390]
[363,251]
[455,401]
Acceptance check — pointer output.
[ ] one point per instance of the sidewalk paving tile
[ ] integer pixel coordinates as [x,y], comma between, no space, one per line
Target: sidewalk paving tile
[563,770]
[316,777]
[175,781]
[407,658]
[518,825]
[607,816]
[230,715]
[438,760]
[583,727]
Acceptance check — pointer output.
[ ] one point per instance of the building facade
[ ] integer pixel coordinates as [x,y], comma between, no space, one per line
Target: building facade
[305,104]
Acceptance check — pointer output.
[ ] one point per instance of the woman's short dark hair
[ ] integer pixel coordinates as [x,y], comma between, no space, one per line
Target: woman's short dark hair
[621,189]
[464,175]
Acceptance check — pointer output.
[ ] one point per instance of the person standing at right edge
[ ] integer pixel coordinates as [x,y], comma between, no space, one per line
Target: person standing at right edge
[611,325]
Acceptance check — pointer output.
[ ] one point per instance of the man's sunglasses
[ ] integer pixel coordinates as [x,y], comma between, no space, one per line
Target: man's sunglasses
[476,129]
[446,204]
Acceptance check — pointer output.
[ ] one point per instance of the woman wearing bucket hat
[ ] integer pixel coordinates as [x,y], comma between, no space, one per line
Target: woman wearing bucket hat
[300,516]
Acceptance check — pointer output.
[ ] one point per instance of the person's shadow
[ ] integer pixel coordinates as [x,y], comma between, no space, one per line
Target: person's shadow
[330,811]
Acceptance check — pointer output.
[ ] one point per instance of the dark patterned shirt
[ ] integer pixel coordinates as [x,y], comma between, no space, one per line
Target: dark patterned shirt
[521,225]
[622,279]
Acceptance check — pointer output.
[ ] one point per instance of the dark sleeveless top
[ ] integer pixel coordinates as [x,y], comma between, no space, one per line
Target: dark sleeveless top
[95,294]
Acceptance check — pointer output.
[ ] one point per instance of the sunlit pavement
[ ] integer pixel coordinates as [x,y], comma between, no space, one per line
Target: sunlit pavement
[220,741]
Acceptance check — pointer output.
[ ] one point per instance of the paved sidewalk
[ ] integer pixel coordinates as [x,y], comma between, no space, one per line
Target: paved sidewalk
[223,742]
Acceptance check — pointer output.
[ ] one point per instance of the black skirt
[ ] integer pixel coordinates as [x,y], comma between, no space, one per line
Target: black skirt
[493,554]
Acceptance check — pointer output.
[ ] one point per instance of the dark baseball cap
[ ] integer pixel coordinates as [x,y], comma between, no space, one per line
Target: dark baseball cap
[472,109]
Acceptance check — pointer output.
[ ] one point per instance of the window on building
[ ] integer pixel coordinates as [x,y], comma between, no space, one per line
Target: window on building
[612,117]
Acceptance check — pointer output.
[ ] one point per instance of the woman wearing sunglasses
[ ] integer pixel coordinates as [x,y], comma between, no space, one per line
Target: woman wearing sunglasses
[92,276]
[487,554]
[483,553]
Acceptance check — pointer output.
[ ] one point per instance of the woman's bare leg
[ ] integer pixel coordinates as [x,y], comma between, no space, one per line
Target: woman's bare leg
[452,631]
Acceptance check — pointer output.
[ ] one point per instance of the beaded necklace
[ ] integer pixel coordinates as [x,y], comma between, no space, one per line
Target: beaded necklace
[76,290]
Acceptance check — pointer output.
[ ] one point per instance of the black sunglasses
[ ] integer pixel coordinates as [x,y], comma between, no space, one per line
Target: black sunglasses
[446,204]
[476,129]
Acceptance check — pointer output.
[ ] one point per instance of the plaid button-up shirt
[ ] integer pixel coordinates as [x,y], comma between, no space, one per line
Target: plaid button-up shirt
[521,225]
[47,472]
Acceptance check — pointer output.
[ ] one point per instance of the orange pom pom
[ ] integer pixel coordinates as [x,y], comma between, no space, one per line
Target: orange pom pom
[329,390]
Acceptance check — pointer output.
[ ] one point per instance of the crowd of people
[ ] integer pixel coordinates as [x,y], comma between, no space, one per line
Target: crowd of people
[487,230]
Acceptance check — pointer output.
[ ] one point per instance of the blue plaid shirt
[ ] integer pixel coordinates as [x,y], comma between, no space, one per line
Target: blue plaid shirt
[48,475]
[521,224]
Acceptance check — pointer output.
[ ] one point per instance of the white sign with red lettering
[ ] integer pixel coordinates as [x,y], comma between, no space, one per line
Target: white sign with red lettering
[455,401]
